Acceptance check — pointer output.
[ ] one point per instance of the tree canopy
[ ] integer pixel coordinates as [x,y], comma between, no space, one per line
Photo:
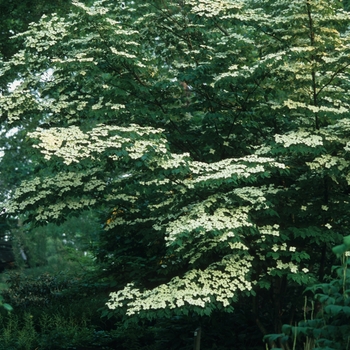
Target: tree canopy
[212,136]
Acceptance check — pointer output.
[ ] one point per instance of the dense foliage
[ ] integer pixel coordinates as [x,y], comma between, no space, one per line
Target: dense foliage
[210,136]
[326,319]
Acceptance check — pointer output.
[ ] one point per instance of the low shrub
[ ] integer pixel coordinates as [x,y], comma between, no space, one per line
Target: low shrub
[326,323]
[25,332]
[24,291]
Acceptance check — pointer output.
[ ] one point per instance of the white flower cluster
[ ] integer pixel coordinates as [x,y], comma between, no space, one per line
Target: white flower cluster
[219,282]
[282,247]
[284,266]
[172,161]
[327,161]
[233,167]
[269,230]
[20,101]
[314,109]
[40,189]
[72,145]
[299,137]
[198,222]
[208,8]
[93,10]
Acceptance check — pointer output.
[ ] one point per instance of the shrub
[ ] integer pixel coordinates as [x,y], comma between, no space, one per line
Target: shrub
[34,291]
[326,323]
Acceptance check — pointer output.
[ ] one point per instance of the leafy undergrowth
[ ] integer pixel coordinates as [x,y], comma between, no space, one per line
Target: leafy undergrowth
[326,323]
[57,312]
[53,312]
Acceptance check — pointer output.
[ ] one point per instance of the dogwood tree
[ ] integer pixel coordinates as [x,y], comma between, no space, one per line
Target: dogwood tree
[212,134]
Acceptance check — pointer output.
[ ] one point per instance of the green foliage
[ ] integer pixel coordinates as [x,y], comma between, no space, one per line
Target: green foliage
[15,18]
[23,290]
[211,137]
[6,306]
[54,248]
[54,331]
[15,335]
[326,320]
[44,313]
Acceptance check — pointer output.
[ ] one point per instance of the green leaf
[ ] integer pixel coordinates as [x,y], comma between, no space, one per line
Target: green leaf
[8,307]
[347,241]
[340,249]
